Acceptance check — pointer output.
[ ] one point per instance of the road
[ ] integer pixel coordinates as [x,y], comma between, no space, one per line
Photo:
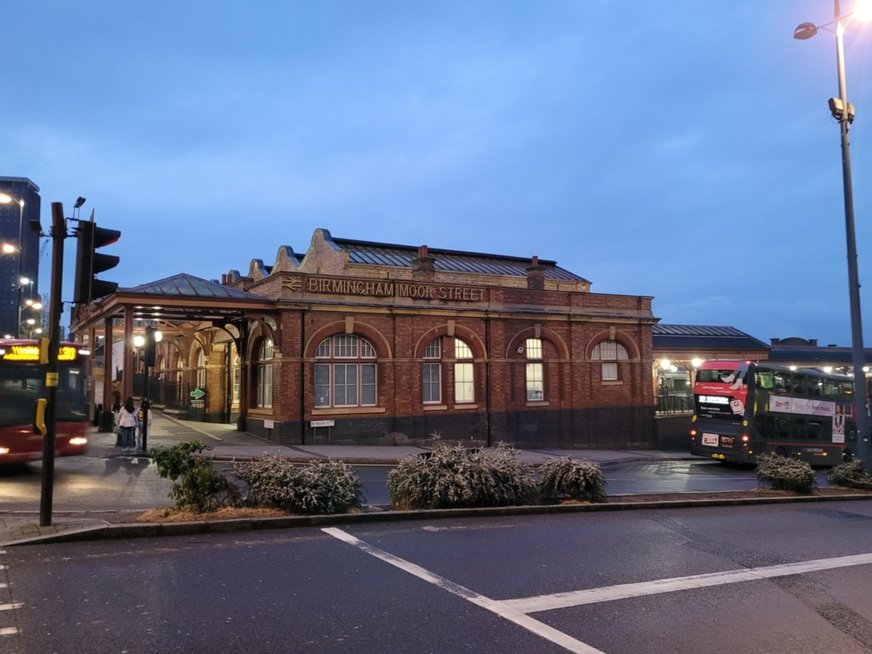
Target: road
[684,580]
[94,483]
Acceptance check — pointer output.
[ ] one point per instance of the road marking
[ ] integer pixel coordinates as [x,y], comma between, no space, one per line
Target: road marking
[494,606]
[11,607]
[628,591]
[8,631]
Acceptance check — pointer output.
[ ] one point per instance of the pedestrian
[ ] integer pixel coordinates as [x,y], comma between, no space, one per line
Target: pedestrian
[127,424]
[116,407]
[139,422]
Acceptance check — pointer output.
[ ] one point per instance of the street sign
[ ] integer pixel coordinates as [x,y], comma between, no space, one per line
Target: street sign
[198,394]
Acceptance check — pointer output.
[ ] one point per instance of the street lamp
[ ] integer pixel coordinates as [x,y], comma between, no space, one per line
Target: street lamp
[843,111]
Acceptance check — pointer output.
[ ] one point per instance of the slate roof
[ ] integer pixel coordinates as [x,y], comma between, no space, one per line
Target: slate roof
[189,286]
[810,354]
[703,337]
[388,254]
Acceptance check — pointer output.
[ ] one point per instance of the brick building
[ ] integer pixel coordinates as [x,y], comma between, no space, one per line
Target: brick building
[360,342]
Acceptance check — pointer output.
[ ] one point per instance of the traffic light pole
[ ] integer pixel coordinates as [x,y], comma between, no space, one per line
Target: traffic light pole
[58,234]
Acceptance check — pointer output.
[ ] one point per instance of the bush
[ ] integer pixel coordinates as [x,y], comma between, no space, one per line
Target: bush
[579,480]
[321,487]
[851,475]
[782,473]
[453,476]
[196,484]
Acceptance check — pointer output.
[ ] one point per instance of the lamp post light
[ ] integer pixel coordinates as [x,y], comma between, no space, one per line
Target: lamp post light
[843,111]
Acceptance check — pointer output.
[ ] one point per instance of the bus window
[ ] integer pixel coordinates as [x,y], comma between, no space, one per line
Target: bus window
[764,379]
[847,388]
[831,388]
[781,427]
[715,376]
[782,382]
[814,429]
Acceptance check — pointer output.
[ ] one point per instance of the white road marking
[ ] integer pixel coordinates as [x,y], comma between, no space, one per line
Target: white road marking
[628,591]
[494,606]
[11,607]
[8,631]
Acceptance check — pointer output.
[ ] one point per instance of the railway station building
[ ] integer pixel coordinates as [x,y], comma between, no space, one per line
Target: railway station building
[376,343]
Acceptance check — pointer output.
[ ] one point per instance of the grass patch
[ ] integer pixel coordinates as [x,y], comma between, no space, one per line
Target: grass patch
[225,513]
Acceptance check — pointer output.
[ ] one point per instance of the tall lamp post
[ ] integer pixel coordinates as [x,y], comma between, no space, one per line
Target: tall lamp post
[843,111]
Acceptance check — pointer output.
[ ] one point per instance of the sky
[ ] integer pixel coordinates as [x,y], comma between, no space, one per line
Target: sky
[679,150]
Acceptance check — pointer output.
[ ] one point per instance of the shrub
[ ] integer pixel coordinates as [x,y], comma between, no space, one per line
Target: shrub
[321,487]
[579,480]
[453,476]
[196,484]
[782,473]
[851,475]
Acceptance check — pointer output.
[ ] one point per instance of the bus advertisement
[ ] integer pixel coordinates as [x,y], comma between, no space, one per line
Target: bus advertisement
[742,409]
[22,383]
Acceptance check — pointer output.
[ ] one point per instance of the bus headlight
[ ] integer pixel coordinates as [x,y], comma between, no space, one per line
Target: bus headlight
[79,440]
[4,450]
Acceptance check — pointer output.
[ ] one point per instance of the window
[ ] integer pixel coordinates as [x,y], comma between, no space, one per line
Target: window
[346,378]
[264,366]
[431,372]
[235,378]
[609,352]
[533,373]
[201,368]
[464,386]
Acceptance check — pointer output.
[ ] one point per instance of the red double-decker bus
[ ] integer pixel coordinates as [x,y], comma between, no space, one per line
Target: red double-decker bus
[742,409]
[22,383]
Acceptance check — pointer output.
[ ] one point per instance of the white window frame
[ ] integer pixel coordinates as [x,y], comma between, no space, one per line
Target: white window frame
[610,352]
[534,370]
[464,373]
[350,359]
[265,356]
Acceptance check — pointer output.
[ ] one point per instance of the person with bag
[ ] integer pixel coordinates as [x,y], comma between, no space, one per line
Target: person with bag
[116,407]
[143,405]
[127,423]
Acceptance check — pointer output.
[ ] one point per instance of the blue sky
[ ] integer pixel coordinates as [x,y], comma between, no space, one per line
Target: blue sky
[681,150]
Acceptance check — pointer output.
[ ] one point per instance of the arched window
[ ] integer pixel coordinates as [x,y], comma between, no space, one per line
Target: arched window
[464,381]
[264,366]
[609,352]
[534,371]
[345,375]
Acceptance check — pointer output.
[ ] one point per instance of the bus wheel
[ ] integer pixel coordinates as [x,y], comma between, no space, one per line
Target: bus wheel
[781,451]
[847,456]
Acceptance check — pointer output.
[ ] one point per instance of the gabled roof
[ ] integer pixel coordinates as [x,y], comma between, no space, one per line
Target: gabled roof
[391,254]
[703,337]
[188,286]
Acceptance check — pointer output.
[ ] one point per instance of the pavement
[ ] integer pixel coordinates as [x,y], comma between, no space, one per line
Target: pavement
[227,444]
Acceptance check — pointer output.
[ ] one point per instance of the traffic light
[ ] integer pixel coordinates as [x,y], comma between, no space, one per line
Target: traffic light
[89,262]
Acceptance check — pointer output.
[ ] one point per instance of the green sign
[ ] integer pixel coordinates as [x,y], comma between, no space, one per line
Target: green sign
[198,394]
